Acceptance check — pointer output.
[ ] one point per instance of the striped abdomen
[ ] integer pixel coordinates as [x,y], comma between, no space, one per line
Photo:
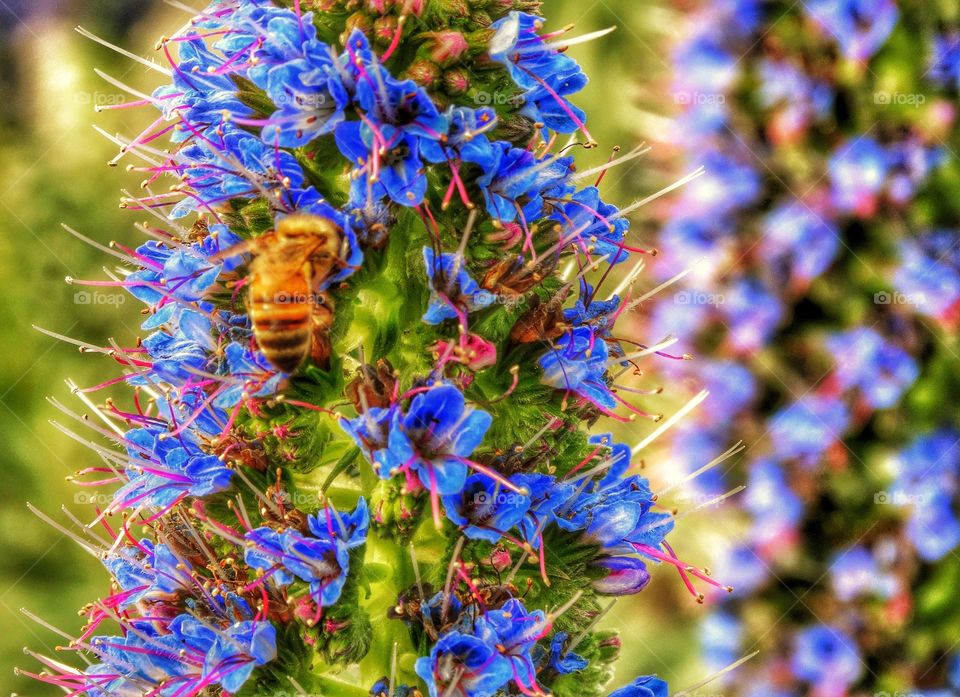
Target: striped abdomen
[281,326]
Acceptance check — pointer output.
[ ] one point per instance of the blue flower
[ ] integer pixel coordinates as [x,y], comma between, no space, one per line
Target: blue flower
[389,159]
[721,638]
[515,632]
[578,364]
[646,686]
[798,99]
[545,75]
[945,63]
[433,438]
[465,138]
[321,560]
[858,174]
[309,94]
[590,225]
[855,573]
[517,182]
[168,468]
[198,94]
[742,568]
[484,510]
[933,526]
[806,428]
[727,185]
[753,312]
[229,655]
[465,663]
[451,287]
[827,658]
[562,660]
[702,66]
[776,509]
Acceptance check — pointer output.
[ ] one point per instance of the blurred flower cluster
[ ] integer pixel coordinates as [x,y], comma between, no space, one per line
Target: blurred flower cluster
[825,307]
[354,455]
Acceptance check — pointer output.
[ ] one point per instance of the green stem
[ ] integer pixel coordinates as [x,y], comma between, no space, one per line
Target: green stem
[383,595]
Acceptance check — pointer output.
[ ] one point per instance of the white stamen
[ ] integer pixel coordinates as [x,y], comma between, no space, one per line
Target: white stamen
[662,428]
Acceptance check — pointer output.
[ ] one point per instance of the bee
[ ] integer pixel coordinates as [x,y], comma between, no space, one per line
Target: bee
[290,314]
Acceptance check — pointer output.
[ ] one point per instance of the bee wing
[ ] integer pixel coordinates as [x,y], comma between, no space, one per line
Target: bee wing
[235,250]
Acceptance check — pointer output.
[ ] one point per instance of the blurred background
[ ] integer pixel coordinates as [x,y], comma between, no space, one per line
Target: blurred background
[770,103]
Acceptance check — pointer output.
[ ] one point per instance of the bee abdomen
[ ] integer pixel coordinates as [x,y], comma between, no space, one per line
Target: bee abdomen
[284,348]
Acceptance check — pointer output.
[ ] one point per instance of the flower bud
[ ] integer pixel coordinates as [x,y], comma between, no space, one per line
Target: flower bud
[384,29]
[456,81]
[358,20]
[379,7]
[628,575]
[424,73]
[411,7]
[445,47]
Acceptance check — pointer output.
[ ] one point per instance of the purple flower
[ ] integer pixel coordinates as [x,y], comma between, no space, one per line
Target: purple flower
[827,658]
[855,573]
[752,313]
[866,361]
[861,27]
[929,272]
[798,244]
[626,576]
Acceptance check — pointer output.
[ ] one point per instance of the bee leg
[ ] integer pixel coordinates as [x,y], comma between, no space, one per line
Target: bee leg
[321,319]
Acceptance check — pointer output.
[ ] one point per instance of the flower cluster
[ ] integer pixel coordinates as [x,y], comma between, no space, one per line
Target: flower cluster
[356,437]
[824,163]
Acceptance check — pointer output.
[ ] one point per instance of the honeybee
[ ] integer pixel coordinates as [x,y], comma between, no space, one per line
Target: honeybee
[291,316]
